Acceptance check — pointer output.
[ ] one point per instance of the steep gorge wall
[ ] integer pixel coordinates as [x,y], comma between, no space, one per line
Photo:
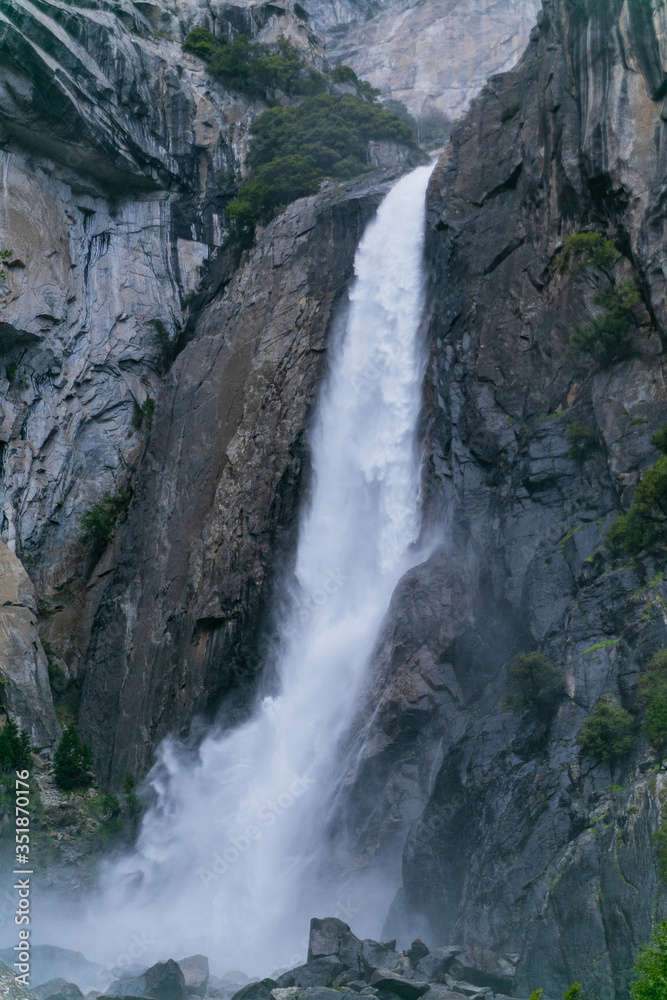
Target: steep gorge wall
[517,842]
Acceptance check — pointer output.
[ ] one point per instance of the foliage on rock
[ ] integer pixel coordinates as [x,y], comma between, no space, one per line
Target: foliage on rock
[653,694]
[582,438]
[100,522]
[293,149]
[253,68]
[606,338]
[643,526]
[536,685]
[14,747]
[607,732]
[650,968]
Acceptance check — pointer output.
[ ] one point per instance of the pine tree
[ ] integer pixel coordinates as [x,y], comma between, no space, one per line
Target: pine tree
[72,761]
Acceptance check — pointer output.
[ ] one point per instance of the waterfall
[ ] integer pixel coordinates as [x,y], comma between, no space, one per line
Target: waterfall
[222,862]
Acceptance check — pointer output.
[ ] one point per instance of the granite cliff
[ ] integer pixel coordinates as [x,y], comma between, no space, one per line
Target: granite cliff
[517,841]
[510,838]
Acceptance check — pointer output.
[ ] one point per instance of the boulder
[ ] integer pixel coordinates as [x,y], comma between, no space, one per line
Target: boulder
[436,964]
[163,981]
[483,968]
[320,972]
[382,956]
[331,937]
[390,982]
[196,974]
[261,990]
[320,993]
[462,989]
[57,989]
[49,962]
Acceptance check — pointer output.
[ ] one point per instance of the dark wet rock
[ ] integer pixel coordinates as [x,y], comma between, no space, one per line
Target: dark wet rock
[331,937]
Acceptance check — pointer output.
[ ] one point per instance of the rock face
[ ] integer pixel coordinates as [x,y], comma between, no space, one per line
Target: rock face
[517,841]
[26,694]
[433,56]
[119,157]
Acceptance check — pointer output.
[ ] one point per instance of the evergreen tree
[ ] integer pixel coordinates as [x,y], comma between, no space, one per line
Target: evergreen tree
[14,747]
[72,761]
[651,968]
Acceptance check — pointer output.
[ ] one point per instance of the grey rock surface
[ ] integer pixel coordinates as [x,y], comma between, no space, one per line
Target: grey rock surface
[433,56]
[196,974]
[516,841]
[23,666]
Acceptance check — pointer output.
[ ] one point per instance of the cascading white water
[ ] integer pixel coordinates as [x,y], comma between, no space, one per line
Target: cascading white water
[221,860]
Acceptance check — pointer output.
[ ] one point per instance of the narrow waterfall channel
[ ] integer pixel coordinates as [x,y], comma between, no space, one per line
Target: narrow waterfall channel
[221,863]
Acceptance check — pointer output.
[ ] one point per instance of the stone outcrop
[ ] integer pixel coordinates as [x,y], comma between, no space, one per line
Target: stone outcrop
[26,694]
[119,156]
[432,56]
[517,841]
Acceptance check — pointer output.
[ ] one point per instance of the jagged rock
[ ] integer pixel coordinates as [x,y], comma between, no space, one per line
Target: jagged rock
[435,55]
[390,982]
[260,990]
[318,972]
[10,989]
[163,981]
[58,989]
[332,937]
[383,956]
[23,665]
[438,962]
[196,974]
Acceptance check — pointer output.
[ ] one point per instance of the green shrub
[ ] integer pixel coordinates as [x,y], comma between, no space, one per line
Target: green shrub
[644,525]
[72,761]
[606,338]
[253,68]
[586,252]
[510,112]
[582,439]
[144,414]
[659,439]
[293,148]
[14,747]
[535,684]
[607,732]
[168,346]
[4,255]
[100,522]
[652,693]
[574,992]
[650,969]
